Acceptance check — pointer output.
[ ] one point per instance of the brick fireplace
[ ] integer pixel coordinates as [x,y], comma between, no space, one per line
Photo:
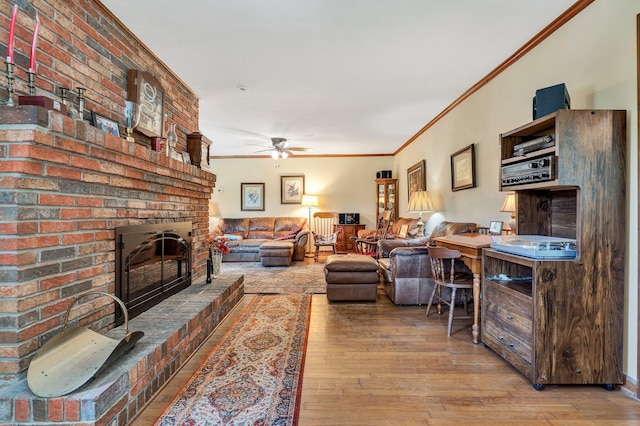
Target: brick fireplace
[65,187]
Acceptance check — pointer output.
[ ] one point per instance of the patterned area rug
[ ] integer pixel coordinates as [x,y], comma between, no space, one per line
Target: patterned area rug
[300,277]
[254,374]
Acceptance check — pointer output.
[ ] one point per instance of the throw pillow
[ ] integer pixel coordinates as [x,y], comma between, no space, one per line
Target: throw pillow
[232,237]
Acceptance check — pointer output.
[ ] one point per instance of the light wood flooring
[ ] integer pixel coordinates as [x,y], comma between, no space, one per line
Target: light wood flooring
[378,364]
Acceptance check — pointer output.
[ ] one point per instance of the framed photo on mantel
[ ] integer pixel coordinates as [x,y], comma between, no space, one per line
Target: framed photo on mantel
[146,91]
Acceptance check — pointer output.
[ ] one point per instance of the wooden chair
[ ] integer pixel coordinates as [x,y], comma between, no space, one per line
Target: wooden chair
[323,232]
[369,245]
[445,275]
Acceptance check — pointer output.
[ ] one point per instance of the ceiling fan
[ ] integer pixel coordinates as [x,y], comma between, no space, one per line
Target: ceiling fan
[281,148]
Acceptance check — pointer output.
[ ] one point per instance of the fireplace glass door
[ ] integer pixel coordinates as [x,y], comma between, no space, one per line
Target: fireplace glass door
[153,262]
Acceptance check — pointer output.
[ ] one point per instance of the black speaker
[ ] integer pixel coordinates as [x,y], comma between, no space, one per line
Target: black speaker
[379,175]
[550,99]
[349,218]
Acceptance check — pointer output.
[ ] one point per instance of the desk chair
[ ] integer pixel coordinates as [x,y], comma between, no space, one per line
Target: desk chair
[444,275]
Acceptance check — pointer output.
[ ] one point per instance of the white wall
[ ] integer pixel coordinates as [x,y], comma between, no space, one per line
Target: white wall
[594,54]
[343,184]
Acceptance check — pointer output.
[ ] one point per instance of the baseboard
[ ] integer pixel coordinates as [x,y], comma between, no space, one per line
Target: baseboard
[630,387]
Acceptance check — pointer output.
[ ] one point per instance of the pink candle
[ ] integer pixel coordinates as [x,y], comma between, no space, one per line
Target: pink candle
[32,59]
[12,29]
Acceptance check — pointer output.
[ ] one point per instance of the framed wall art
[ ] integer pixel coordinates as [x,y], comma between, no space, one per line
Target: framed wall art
[463,169]
[252,196]
[145,90]
[416,178]
[291,189]
[105,124]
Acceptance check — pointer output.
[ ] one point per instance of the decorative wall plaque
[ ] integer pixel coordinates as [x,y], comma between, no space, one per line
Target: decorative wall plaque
[145,90]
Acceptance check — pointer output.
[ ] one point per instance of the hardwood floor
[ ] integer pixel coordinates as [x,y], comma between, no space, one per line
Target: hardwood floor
[378,364]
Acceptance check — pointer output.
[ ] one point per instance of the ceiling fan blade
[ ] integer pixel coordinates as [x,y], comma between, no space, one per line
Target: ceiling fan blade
[264,150]
[300,149]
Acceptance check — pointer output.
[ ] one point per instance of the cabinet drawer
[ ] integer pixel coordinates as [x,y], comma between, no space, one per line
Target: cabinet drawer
[508,320]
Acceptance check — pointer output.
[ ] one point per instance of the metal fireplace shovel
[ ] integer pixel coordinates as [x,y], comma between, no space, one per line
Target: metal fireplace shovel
[75,355]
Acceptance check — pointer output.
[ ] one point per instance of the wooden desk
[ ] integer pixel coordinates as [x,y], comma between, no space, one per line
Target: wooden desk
[470,246]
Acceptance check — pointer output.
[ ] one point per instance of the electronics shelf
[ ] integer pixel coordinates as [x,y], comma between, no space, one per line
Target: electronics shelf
[560,321]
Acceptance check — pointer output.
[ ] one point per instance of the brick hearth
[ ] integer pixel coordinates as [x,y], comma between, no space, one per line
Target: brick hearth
[173,330]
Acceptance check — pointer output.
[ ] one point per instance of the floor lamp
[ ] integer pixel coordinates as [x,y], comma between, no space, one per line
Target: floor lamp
[309,201]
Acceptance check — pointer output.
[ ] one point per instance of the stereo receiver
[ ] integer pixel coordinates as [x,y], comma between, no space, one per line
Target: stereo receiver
[540,169]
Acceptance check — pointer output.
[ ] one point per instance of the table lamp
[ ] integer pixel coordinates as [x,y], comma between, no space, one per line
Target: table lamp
[509,205]
[420,202]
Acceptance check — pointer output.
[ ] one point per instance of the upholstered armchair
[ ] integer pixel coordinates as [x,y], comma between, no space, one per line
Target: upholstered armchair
[406,275]
[406,272]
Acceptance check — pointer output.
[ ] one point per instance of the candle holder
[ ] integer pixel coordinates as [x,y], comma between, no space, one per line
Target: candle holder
[81,103]
[10,78]
[172,140]
[31,83]
[131,118]
[63,95]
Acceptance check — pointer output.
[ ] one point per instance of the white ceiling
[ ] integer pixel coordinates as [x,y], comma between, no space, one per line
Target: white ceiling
[338,76]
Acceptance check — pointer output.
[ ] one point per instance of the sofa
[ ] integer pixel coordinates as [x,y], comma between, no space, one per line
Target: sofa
[406,272]
[248,234]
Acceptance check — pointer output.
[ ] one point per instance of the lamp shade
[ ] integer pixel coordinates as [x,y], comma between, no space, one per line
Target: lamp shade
[509,204]
[309,200]
[420,201]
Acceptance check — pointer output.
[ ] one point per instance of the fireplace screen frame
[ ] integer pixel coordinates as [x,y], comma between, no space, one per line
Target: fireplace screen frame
[173,272]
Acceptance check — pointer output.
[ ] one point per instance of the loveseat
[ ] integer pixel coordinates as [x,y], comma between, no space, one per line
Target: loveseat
[406,272]
[247,234]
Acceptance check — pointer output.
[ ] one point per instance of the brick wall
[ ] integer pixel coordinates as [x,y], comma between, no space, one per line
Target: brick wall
[81,44]
[64,187]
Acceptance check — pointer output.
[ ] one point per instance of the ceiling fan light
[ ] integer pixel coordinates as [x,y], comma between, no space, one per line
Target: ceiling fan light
[284,155]
[274,155]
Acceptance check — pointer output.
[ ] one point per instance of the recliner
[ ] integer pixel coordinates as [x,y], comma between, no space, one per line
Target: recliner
[406,273]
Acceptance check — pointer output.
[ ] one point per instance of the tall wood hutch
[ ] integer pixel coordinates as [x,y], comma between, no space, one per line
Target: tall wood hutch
[386,197]
[561,321]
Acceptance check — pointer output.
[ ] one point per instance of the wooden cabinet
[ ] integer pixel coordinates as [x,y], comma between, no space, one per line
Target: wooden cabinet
[345,232]
[198,149]
[561,321]
[386,197]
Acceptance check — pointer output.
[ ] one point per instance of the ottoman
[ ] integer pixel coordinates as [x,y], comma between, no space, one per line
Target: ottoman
[276,253]
[351,277]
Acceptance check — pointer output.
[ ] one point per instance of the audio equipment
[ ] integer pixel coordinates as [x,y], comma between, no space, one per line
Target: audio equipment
[383,174]
[349,218]
[540,169]
[550,99]
[534,145]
